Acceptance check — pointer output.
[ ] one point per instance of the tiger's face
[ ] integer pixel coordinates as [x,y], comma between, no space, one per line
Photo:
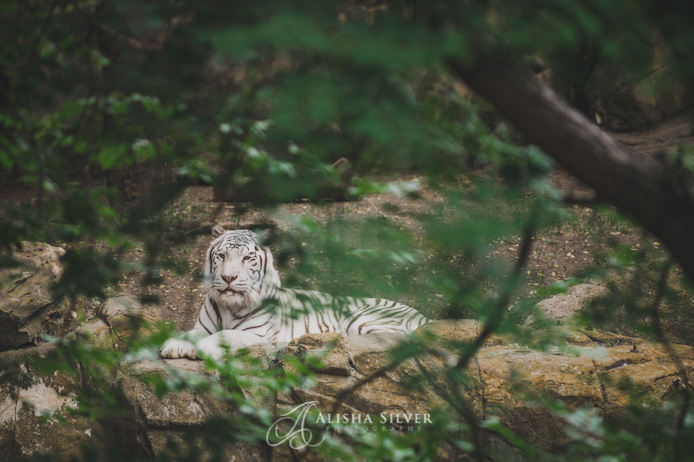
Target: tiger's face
[237,270]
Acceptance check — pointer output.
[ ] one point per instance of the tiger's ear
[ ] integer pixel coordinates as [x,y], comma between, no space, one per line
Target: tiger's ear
[271,281]
[218,230]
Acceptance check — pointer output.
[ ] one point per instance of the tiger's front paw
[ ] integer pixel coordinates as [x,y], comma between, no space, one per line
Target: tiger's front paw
[175,348]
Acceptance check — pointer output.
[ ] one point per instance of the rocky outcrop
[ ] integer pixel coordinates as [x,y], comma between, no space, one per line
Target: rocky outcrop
[27,402]
[590,371]
[562,307]
[35,408]
[27,309]
[166,423]
[117,320]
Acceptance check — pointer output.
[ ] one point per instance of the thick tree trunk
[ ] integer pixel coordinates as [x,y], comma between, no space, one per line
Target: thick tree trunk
[644,187]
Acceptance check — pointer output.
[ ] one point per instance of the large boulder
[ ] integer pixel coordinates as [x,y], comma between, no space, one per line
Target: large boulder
[118,319]
[173,426]
[36,415]
[27,402]
[27,309]
[588,372]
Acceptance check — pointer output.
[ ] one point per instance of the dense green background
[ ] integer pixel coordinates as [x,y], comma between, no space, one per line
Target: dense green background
[260,98]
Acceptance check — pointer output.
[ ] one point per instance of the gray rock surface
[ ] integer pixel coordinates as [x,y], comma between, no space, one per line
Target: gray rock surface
[26,428]
[587,373]
[27,309]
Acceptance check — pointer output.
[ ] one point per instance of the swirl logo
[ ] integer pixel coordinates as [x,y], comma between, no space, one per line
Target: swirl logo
[298,436]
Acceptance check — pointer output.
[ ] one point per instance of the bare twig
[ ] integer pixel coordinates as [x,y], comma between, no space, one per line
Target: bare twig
[363,382]
[131,42]
[674,357]
[497,314]
[459,403]
[583,200]
[381,373]
[639,185]
[489,328]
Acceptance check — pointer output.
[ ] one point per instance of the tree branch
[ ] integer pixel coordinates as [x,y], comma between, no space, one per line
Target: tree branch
[648,189]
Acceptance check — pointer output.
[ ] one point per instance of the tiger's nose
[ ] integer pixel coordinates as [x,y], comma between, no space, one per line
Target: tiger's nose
[229,279]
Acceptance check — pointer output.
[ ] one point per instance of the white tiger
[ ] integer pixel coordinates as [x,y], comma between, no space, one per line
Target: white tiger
[245,304]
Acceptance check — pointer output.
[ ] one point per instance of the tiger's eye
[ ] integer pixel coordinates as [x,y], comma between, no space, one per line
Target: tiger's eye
[247,258]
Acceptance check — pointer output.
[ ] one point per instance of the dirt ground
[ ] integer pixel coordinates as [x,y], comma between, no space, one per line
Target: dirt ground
[183,293]
[558,253]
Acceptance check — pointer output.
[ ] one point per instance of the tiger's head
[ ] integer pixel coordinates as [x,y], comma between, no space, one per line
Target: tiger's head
[238,271]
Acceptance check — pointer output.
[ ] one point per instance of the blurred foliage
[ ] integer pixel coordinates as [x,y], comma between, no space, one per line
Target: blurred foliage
[109,109]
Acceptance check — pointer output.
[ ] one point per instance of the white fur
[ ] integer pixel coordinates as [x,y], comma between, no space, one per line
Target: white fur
[245,304]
